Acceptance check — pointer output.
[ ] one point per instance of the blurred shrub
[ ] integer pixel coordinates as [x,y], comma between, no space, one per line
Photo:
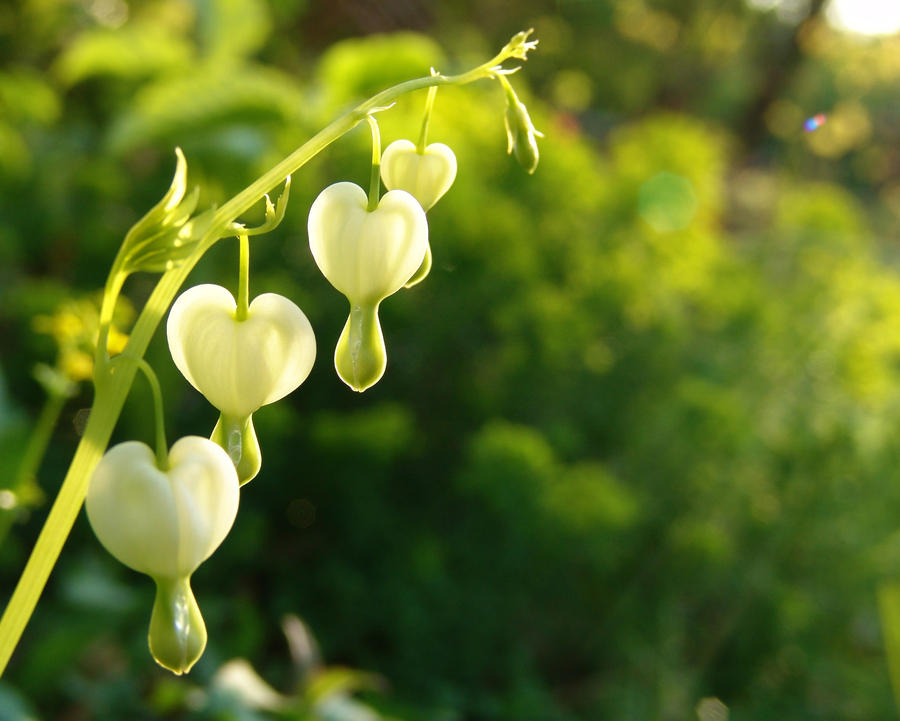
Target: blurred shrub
[629,452]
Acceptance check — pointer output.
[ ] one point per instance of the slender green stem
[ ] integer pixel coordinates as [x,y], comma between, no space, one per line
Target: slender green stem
[112,388]
[63,513]
[39,438]
[423,134]
[511,97]
[375,177]
[162,448]
[35,450]
[107,309]
[243,300]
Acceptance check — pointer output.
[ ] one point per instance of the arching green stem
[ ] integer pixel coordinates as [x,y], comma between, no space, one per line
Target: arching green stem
[112,388]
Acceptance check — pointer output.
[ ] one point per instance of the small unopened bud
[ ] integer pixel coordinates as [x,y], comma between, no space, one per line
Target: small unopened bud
[167,234]
[519,45]
[520,131]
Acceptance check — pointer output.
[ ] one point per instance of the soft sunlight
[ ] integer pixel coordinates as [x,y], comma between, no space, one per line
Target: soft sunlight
[865,17]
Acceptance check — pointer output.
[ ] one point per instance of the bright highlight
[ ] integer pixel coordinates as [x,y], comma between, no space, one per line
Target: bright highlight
[865,17]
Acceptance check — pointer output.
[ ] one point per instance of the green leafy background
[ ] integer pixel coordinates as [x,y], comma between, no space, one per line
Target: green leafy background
[637,445]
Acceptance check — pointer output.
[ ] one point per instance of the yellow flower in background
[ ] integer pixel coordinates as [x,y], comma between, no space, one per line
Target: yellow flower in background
[74,326]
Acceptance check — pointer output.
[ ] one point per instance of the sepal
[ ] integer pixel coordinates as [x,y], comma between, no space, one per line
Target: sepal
[177,635]
[164,237]
[360,356]
[274,213]
[423,270]
[237,437]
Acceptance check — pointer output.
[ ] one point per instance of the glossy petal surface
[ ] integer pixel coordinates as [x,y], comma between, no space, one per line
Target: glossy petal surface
[367,256]
[240,365]
[425,176]
[163,523]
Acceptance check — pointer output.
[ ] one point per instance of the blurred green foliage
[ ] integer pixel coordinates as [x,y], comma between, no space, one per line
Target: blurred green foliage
[637,441]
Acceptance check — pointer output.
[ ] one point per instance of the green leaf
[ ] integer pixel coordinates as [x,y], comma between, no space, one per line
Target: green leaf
[357,68]
[136,51]
[203,100]
[336,681]
[15,158]
[233,28]
[26,96]
[167,234]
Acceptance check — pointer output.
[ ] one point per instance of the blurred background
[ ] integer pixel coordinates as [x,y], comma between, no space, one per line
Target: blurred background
[637,451]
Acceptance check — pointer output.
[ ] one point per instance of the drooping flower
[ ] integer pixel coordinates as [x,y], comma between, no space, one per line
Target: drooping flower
[367,256]
[240,365]
[165,522]
[427,176]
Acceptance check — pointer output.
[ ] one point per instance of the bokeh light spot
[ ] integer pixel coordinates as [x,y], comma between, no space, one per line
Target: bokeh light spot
[711,709]
[814,123]
[301,513]
[573,90]
[667,202]
[865,17]
[848,127]
[8,500]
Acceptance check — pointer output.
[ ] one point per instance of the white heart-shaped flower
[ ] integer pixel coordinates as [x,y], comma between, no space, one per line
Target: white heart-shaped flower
[163,523]
[240,365]
[367,255]
[426,176]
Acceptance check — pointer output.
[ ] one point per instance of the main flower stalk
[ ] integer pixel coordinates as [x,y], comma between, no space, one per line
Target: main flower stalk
[113,382]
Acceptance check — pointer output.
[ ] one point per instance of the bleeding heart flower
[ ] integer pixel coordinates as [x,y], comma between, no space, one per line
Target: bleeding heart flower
[240,365]
[426,176]
[165,523]
[367,256]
